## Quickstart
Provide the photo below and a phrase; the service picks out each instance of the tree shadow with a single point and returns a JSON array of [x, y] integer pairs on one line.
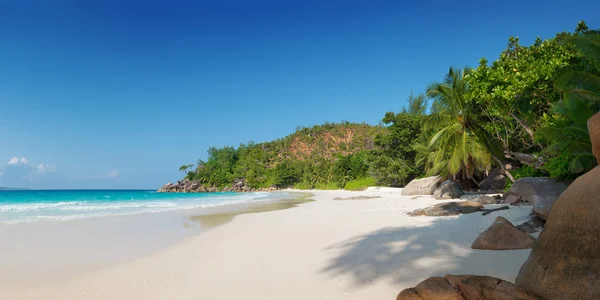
[[407, 255]]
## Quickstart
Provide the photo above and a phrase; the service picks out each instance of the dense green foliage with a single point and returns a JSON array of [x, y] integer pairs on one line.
[[392, 161], [528, 109], [361, 184], [324, 157]]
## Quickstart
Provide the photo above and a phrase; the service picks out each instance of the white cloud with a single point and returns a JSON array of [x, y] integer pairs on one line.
[[16, 160], [45, 168], [113, 174], [18, 169]]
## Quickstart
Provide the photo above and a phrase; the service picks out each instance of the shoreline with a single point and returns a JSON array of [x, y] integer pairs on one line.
[[198, 209], [121, 238], [324, 249]]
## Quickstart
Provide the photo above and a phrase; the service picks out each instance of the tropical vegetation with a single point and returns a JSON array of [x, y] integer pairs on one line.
[[523, 114]]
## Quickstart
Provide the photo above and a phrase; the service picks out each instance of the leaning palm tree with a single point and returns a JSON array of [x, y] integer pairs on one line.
[[184, 168], [459, 145]]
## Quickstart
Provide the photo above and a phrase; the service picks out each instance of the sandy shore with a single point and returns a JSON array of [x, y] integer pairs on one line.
[[326, 249]]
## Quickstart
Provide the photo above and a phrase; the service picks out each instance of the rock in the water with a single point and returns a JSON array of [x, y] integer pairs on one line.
[[448, 190], [464, 287], [487, 200], [496, 181], [502, 235], [448, 209], [565, 261], [541, 192], [423, 186]]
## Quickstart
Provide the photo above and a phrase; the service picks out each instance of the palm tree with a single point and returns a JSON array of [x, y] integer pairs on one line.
[[581, 100], [459, 146], [572, 135], [184, 169], [582, 81]]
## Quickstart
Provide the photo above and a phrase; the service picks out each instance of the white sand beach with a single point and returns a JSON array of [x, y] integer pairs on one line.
[[326, 249]]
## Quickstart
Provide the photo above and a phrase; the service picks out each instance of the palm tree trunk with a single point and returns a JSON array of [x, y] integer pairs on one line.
[[527, 128], [504, 170]]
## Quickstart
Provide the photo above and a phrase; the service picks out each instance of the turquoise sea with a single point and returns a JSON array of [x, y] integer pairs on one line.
[[63, 205]]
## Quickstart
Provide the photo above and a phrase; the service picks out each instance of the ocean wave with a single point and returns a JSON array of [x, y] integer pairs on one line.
[[79, 210], [37, 206]]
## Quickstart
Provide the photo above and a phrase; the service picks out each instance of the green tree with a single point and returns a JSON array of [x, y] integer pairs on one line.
[[517, 88], [417, 105], [570, 148]]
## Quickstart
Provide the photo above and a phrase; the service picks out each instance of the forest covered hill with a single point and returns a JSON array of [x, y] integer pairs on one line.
[[523, 114]]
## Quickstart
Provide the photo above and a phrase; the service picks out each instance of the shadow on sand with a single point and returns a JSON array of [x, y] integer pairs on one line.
[[407, 255]]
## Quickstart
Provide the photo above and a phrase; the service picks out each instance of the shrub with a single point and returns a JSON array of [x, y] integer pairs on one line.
[[303, 186], [327, 186], [558, 167], [360, 184], [522, 172]]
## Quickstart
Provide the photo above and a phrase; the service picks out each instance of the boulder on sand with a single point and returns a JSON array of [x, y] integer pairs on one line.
[[464, 287], [534, 224], [496, 181], [448, 209], [503, 235], [423, 186], [448, 190], [541, 192], [487, 200], [565, 262]]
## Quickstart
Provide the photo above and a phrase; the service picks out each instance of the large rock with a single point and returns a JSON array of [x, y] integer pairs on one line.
[[464, 287], [448, 209], [541, 192], [503, 235], [565, 262], [448, 190], [496, 181], [487, 200], [423, 186]]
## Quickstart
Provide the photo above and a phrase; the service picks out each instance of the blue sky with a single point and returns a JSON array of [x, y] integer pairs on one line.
[[119, 94]]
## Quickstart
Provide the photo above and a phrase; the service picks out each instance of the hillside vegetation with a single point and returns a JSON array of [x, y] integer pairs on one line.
[[324, 156], [523, 114]]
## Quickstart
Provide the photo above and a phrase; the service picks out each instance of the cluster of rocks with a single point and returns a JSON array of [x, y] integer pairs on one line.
[[190, 186], [563, 263]]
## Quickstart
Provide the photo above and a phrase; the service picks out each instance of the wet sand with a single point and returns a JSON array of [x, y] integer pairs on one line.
[[57, 251]]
